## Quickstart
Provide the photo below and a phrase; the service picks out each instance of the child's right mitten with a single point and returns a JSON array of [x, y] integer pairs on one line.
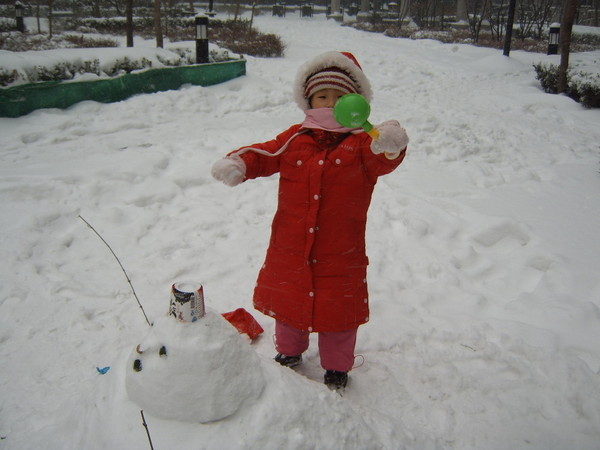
[[230, 170]]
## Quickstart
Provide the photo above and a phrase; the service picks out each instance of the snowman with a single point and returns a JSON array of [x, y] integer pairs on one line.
[[199, 371]]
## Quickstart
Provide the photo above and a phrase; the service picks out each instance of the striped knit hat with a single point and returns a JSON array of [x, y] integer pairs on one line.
[[330, 70]]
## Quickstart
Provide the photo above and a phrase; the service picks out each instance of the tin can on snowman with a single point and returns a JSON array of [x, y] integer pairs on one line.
[[187, 301]]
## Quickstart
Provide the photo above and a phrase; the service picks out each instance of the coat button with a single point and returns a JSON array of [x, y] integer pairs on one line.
[[311, 294], [311, 230], [321, 162], [338, 161], [299, 162], [316, 197]]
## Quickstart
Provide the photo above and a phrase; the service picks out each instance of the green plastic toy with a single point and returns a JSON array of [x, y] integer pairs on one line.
[[352, 111]]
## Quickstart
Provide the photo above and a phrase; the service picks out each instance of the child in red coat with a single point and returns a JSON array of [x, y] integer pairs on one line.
[[314, 278]]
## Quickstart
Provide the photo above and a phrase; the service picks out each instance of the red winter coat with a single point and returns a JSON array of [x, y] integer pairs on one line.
[[314, 275]]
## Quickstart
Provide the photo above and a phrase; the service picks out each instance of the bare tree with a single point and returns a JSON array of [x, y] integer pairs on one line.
[[403, 10], [115, 4], [566, 31], [422, 12], [534, 16], [546, 9], [478, 11], [498, 17]]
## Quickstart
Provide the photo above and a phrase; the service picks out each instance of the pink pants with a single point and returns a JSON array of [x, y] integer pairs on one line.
[[335, 348]]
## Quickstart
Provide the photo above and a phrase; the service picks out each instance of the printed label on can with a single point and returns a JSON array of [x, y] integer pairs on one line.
[[187, 301]]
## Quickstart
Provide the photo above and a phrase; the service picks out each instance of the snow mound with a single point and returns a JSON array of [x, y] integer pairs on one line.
[[193, 372]]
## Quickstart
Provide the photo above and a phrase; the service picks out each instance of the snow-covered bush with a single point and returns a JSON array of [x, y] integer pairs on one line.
[[109, 24], [585, 40], [8, 76], [6, 24], [240, 37], [583, 87], [547, 74], [70, 69], [126, 65], [22, 42]]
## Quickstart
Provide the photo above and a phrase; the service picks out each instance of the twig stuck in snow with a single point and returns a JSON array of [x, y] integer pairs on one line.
[[146, 427], [122, 268]]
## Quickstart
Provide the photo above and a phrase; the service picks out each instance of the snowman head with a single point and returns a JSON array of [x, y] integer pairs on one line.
[[193, 372], [137, 363]]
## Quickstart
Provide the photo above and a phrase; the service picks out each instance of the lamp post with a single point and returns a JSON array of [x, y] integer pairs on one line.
[[201, 39], [553, 38], [19, 17]]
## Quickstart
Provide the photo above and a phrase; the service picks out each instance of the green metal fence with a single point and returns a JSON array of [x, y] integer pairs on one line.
[[20, 100]]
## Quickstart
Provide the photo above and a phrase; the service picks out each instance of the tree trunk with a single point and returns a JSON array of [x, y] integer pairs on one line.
[[335, 6], [50, 5], [96, 9], [364, 6], [461, 11], [509, 26], [566, 29], [252, 16], [37, 16], [157, 24], [237, 10], [129, 26]]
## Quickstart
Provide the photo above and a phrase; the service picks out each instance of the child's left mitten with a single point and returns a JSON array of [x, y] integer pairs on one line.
[[392, 138], [230, 170]]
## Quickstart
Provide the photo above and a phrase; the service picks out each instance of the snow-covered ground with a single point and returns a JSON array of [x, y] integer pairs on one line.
[[484, 254]]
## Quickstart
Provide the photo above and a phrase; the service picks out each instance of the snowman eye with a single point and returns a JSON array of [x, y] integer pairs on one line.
[[137, 365], [163, 351]]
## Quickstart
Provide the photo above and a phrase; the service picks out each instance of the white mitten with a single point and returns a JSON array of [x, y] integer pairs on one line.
[[392, 138], [231, 170]]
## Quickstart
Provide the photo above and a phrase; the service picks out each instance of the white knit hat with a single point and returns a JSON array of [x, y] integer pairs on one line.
[[337, 70]]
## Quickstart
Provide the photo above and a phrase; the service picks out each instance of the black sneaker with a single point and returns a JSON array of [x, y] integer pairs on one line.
[[335, 380], [288, 361]]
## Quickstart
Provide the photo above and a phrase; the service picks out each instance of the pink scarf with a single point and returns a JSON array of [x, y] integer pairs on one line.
[[320, 119], [323, 119]]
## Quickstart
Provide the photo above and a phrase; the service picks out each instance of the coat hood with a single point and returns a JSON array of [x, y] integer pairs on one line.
[[341, 60]]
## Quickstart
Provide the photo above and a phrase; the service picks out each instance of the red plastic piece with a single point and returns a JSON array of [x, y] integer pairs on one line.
[[244, 322]]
